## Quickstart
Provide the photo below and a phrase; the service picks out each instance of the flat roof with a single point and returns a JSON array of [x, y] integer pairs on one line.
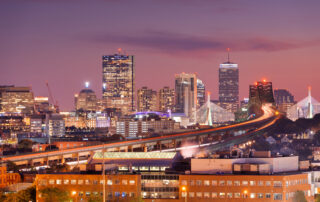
[[134, 155]]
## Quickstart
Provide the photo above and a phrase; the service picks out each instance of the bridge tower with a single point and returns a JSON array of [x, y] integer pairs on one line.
[[310, 108], [208, 118]]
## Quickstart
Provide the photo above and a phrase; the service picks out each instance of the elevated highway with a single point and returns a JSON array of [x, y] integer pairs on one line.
[[249, 128]]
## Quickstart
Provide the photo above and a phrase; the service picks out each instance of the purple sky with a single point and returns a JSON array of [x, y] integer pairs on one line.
[[62, 41]]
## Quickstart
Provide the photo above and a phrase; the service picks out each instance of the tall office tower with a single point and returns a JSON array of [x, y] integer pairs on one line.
[[118, 82], [229, 86], [86, 100], [16, 99], [201, 93], [166, 99], [147, 99], [260, 93], [284, 99], [186, 93]]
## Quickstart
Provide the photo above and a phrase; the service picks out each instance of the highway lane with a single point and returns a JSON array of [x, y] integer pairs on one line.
[[268, 113]]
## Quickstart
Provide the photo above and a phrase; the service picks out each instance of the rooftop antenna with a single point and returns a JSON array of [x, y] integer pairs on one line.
[[228, 50]]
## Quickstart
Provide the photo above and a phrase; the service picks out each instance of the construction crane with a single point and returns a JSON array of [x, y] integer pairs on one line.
[[54, 102]]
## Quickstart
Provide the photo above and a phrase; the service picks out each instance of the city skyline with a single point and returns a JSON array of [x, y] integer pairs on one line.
[[280, 47]]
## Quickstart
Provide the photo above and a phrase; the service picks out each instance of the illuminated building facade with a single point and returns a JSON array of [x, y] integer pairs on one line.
[[283, 99], [165, 187], [118, 82], [41, 105], [166, 99], [55, 125], [229, 86], [86, 100], [147, 99], [16, 99], [201, 93], [7, 179], [186, 93]]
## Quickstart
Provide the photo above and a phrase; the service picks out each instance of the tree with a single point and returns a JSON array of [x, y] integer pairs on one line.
[[26, 195], [53, 194], [11, 166], [95, 199], [299, 197], [25, 145], [318, 199]]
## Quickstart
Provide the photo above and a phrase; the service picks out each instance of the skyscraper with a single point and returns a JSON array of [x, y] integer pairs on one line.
[[229, 86], [118, 82], [201, 93], [147, 99], [16, 99], [166, 99], [284, 99], [86, 100], [260, 93], [186, 93]]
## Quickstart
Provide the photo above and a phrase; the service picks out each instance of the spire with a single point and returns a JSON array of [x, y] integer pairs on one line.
[[228, 50], [208, 118], [310, 107]]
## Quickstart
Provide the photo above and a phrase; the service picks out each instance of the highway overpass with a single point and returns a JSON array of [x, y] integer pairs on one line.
[[251, 128]]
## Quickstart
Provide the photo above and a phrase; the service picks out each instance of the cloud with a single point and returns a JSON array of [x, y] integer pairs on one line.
[[180, 43]]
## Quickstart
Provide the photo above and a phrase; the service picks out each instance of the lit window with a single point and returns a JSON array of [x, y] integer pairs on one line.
[[191, 182], [87, 181], [199, 182], [184, 194], [268, 183], [229, 195], [132, 182], [65, 181], [109, 182], [221, 183], [51, 181], [183, 182], [260, 183], [277, 183], [236, 183], [124, 182], [222, 195], [80, 181], [229, 183], [259, 195], [277, 196], [199, 194], [87, 193], [214, 183], [245, 183], [252, 183], [73, 181], [191, 194], [236, 195], [101, 181], [206, 195], [206, 183], [214, 195], [252, 195]]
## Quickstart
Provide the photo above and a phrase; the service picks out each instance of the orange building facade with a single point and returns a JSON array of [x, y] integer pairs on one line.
[[191, 188], [8, 178]]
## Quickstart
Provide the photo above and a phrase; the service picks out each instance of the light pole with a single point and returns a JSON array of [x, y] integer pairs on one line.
[[245, 192], [74, 193], [184, 190]]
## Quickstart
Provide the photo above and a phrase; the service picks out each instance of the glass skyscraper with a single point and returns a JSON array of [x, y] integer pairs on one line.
[[118, 82], [229, 86]]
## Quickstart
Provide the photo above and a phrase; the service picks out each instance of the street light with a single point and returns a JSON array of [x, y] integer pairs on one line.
[[184, 190], [73, 193], [245, 192]]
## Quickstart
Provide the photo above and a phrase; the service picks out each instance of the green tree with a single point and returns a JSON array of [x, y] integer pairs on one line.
[[54, 194], [299, 197]]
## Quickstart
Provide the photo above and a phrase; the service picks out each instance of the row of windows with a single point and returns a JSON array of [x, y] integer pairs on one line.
[[276, 196], [86, 182], [238, 183]]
